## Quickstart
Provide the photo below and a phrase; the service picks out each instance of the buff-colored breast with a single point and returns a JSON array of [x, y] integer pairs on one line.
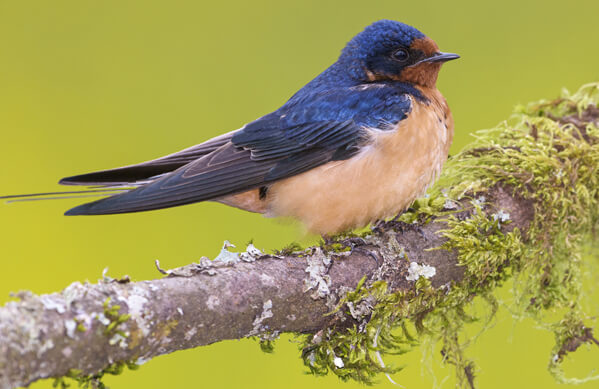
[[382, 180]]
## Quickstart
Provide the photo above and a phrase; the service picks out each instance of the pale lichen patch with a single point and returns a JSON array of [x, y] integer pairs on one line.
[[415, 271], [102, 318], [136, 300], [450, 204], [225, 256], [480, 201], [72, 292], [70, 327], [362, 309], [251, 253], [53, 302], [258, 324], [390, 250], [47, 345], [501, 217], [190, 333], [318, 280], [118, 339], [142, 361]]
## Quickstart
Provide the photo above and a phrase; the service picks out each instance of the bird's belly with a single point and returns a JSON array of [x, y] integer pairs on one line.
[[380, 181], [248, 201]]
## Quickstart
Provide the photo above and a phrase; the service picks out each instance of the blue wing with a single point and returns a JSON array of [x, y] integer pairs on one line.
[[306, 132], [321, 127]]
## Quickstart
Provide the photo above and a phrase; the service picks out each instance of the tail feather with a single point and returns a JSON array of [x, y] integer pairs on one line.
[[120, 176], [62, 195], [149, 170], [120, 181]]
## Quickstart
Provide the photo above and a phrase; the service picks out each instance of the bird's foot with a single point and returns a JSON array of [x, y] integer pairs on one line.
[[371, 254]]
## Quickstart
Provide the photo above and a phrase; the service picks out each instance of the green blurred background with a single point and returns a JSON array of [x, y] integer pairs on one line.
[[87, 85]]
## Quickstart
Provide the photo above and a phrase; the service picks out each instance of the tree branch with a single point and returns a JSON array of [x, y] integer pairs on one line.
[[88, 327], [198, 305]]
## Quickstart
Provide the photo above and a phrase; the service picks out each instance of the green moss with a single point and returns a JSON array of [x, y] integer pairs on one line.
[[116, 319], [267, 345], [291, 248], [93, 380], [111, 312], [542, 155]]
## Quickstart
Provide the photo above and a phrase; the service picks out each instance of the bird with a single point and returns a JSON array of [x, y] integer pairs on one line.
[[358, 143]]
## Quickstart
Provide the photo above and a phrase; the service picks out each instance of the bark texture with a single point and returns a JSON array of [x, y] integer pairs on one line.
[[79, 328]]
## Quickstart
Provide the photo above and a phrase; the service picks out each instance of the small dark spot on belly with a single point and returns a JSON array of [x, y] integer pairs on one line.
[[262, 192]]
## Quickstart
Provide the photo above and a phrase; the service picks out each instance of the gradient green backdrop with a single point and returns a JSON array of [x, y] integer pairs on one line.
[[87, 85]]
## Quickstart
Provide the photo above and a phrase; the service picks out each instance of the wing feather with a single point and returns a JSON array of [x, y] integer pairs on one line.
[[146, 170]]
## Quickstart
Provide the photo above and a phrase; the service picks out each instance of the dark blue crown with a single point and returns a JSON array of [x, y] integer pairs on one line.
[[376, 39], [379, 37]]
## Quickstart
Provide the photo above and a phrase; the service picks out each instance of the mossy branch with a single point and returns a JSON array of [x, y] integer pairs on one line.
[[518, 204]]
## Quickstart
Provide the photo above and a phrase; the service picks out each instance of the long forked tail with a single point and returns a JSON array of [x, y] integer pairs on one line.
[[118, 181]]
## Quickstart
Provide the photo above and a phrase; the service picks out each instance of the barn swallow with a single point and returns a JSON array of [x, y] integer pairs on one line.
[[356, 144]]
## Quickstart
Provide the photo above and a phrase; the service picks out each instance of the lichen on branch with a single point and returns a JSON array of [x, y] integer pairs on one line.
[[547, 157]]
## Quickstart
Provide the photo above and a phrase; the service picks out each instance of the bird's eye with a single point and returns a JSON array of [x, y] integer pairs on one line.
[[401, 55]]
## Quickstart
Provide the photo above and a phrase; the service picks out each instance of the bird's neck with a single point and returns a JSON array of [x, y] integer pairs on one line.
[[335, 76], [339, 75]]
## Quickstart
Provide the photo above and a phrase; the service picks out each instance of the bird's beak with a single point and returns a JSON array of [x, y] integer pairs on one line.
[[438, 57]]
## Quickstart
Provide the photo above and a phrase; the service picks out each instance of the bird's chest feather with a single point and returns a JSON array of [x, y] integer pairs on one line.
[[383, 179]]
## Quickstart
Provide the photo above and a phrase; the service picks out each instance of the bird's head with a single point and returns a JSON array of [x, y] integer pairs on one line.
[[391, 51]]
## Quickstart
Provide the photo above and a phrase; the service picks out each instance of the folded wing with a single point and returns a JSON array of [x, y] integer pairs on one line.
[[296, 138], [231, 168]]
